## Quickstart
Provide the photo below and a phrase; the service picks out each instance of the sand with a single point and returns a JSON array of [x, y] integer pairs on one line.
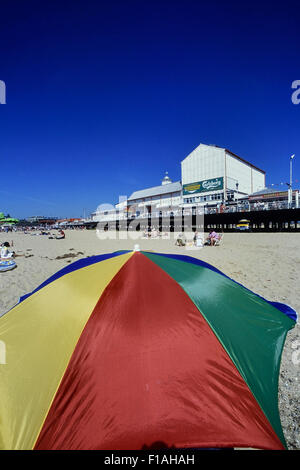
[[268, 264]]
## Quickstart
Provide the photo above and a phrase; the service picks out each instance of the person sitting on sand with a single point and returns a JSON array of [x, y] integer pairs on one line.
[[61, 236], [213, 238], [198, 240], [181, 240], [5, 253], [208, 239], [218, 237]]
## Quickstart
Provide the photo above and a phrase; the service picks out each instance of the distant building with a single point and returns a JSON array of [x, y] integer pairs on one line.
[[213, 174], [108, 212], [149, 201], [41, 220], [156, 199], [278, 198], [210, 175]]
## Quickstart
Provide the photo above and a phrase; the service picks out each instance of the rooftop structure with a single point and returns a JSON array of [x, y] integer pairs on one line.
[[164, 188]]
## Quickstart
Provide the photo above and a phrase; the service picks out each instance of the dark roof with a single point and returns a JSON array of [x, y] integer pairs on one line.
[[245, 161]]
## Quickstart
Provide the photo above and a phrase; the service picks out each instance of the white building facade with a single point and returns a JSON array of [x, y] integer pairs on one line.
[[155, 200], [108, 212], [212, 174]]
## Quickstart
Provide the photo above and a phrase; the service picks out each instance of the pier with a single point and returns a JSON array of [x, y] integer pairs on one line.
[[284, 220]]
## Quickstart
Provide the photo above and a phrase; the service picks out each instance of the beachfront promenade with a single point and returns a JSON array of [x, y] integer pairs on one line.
[[266, 219], [262, 217]]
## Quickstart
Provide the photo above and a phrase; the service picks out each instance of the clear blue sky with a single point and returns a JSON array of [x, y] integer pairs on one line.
[[104, 97]]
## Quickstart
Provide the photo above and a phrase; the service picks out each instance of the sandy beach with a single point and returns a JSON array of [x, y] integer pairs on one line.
[[268, 264]]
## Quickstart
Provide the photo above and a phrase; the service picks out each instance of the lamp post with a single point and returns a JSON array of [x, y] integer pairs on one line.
[[237, 190], [291, 181]]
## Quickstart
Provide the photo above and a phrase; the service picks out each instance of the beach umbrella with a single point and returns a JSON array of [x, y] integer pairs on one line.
[[9, 220], [124, 350]]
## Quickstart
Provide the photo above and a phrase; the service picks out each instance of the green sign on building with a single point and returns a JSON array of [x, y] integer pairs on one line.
[[214, 184]]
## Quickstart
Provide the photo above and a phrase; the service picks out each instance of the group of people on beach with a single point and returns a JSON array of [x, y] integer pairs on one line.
[[213, 238], [152, 232], [61, 235], [6, 253]]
